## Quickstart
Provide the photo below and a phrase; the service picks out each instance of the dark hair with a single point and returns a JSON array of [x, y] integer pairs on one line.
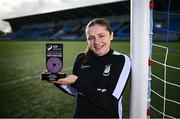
[[97, 21], [100, 21]]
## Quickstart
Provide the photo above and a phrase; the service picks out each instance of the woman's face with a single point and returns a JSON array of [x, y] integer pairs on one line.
[[99, 39]]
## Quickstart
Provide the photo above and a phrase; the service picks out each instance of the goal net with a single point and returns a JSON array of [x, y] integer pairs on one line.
[[165, 71], [155, 56]]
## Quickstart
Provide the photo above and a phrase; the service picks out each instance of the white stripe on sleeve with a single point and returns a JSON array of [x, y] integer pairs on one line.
[[122, 78]]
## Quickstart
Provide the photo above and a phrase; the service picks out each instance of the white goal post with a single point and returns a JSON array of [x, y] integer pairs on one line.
[[139, 52]]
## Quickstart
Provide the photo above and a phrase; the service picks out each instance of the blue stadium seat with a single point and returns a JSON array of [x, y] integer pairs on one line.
[[123, 32]]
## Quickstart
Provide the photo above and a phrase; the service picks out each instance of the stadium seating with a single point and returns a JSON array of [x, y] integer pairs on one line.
[[73, 30], [123, 32]]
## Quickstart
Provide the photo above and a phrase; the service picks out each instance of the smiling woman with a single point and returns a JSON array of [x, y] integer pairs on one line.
[[99, 75], [99, 35]]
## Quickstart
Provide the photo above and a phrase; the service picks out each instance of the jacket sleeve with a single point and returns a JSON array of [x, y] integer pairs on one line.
[[67, 89], [104, 100]]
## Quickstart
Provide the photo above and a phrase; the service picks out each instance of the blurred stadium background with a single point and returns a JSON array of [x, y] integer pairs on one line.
[[22, 56]]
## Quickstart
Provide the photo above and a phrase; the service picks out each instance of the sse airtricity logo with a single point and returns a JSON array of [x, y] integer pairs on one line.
[[49, 47]]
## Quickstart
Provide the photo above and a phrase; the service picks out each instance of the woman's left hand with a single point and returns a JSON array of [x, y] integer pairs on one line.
[[66, 81]]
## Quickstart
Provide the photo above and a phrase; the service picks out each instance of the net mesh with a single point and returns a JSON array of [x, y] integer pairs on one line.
[[164, 97]]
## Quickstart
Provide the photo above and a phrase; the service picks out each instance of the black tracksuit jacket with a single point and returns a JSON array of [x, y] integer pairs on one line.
[[100, 84]]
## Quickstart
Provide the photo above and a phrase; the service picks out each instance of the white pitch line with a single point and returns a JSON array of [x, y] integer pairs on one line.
[[27, 78], [19, 80]]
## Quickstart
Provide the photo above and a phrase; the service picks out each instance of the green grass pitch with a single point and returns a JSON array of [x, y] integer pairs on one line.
[[22, 94]]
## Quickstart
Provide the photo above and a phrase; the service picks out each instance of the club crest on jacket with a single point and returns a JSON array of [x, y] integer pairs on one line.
[[107, 70]]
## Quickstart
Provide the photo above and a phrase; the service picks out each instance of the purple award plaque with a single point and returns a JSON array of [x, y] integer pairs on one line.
[[54, 62]]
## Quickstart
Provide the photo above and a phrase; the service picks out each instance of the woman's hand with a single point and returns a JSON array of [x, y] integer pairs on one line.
[[44, 72], [66, 81]]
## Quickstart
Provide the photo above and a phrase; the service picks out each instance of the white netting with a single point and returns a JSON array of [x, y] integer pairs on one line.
[[164, 79], [165, 71]]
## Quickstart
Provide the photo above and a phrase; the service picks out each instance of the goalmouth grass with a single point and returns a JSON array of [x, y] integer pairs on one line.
[[22, 94]]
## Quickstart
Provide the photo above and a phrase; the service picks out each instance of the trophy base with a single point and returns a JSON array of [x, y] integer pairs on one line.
[[52, 77]]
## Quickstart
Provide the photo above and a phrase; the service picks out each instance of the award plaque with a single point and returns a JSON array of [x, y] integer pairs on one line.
[[54, 62]]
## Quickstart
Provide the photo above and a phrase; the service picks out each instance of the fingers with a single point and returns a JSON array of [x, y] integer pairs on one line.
[[45, 71], [59, 81], [54, 82], [62, 81]]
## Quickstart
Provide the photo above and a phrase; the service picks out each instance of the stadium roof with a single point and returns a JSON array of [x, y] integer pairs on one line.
[[100, 10], [108, 9]]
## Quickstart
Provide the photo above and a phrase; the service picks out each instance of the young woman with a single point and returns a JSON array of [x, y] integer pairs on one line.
[[99, 75]]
